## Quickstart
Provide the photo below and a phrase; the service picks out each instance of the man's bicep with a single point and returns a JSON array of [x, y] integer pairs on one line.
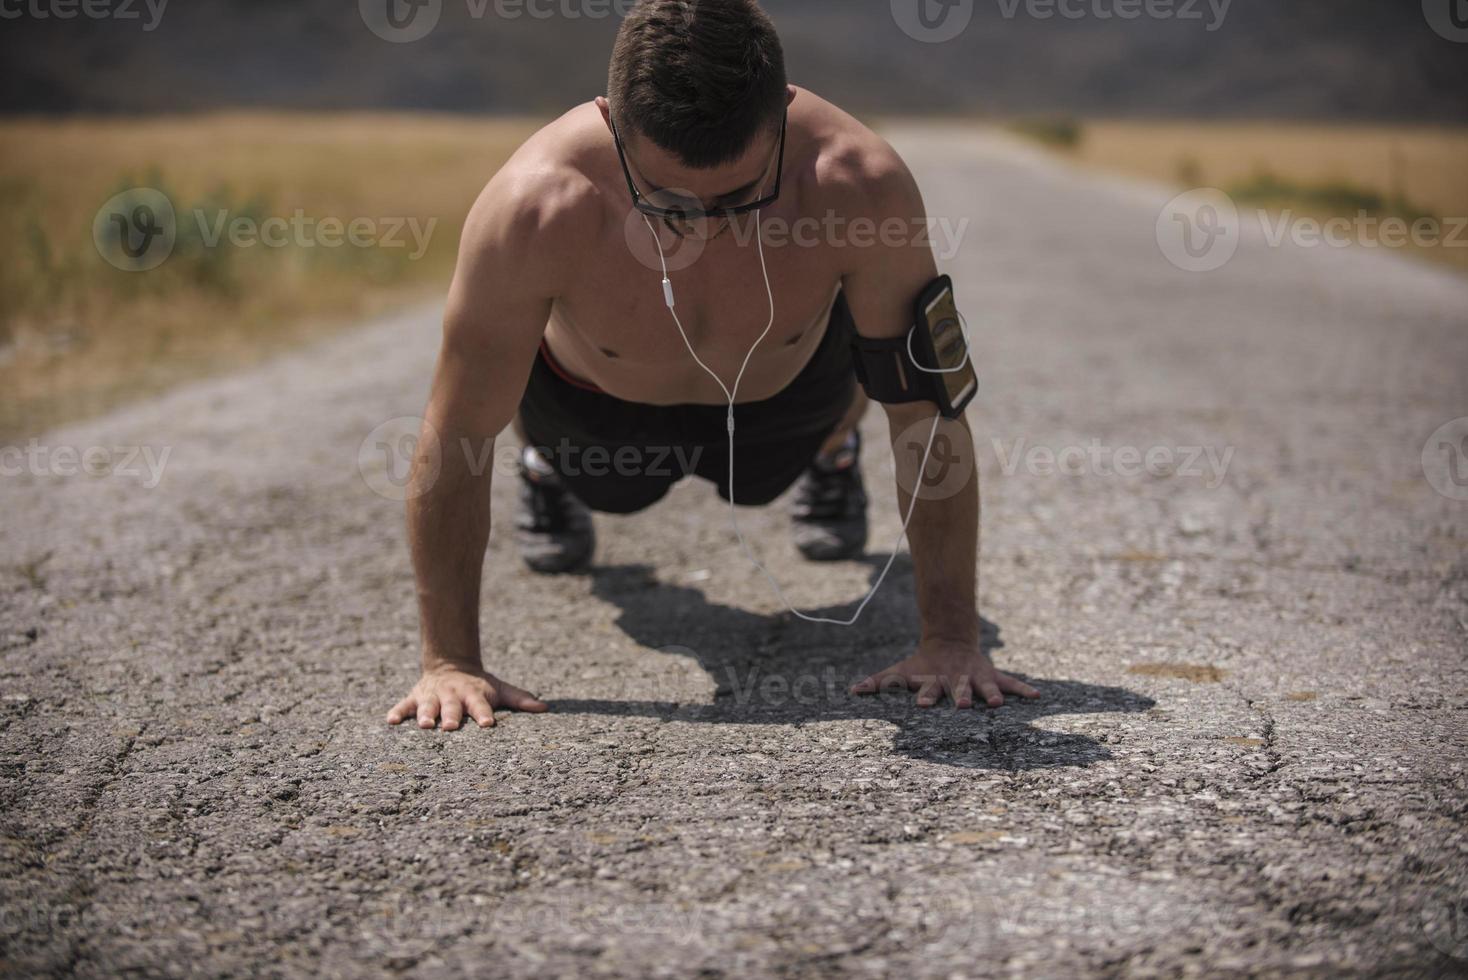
[[492, 327], [514, 248], [884, 278], [483, 365]]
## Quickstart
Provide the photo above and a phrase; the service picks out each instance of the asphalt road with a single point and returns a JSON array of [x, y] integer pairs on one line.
[[1250, 756]]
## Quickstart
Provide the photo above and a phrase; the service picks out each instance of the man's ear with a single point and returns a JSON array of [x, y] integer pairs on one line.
[[606, 110]]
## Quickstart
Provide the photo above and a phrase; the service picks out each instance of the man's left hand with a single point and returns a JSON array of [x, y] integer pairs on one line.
[[944, 666]]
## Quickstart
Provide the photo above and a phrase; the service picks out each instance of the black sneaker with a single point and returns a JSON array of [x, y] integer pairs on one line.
[[830, 509], [554, 530]]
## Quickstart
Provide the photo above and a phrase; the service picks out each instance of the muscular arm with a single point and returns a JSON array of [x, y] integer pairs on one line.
[[497, 310], [881, 285]]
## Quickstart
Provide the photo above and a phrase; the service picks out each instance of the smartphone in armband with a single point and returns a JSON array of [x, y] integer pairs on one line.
[[937, 343]]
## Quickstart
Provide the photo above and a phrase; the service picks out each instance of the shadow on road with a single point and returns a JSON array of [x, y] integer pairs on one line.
[[781, 670]]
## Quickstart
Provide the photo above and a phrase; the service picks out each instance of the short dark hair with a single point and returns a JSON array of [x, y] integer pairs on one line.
[[700, 78]]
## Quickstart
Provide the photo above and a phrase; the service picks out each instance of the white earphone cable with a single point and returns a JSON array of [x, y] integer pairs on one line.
[[731, 395]]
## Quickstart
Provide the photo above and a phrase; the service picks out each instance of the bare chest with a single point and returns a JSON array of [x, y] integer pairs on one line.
[[614, 329]]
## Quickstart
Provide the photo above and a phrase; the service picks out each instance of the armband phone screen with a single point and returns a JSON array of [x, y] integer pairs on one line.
[[948, 343]]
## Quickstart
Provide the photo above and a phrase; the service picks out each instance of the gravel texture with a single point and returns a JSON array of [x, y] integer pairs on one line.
[[1250, 756]]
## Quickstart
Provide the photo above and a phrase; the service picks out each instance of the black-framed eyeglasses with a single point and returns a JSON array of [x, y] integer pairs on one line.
[[692, 214]]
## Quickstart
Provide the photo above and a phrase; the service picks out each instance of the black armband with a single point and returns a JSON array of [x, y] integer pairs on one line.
[[930, 363]]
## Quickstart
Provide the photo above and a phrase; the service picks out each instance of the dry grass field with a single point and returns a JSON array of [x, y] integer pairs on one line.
[[1426, 165], [1317, 170], [78, 336]]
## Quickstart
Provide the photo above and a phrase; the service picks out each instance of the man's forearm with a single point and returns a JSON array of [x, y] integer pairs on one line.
[[944, 532], [448, 530]]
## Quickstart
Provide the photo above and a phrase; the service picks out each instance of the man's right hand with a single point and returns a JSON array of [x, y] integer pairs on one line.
[[447, 692]]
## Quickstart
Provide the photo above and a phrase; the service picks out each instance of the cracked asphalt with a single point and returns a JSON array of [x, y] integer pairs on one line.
[[1250, 756]]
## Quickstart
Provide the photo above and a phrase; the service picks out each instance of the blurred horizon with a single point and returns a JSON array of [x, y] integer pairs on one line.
[[1354, 60]]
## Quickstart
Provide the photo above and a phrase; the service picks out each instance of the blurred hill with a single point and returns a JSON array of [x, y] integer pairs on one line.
[[1319, 59]]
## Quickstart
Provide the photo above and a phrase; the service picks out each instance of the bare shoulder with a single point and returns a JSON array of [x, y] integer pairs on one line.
[[855, 171], [857, 175], [539, 209]]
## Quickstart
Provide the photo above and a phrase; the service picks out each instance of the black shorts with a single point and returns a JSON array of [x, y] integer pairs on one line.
[[620, 457]]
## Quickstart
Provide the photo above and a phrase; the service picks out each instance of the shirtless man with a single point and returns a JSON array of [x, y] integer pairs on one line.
[[557, 322]]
